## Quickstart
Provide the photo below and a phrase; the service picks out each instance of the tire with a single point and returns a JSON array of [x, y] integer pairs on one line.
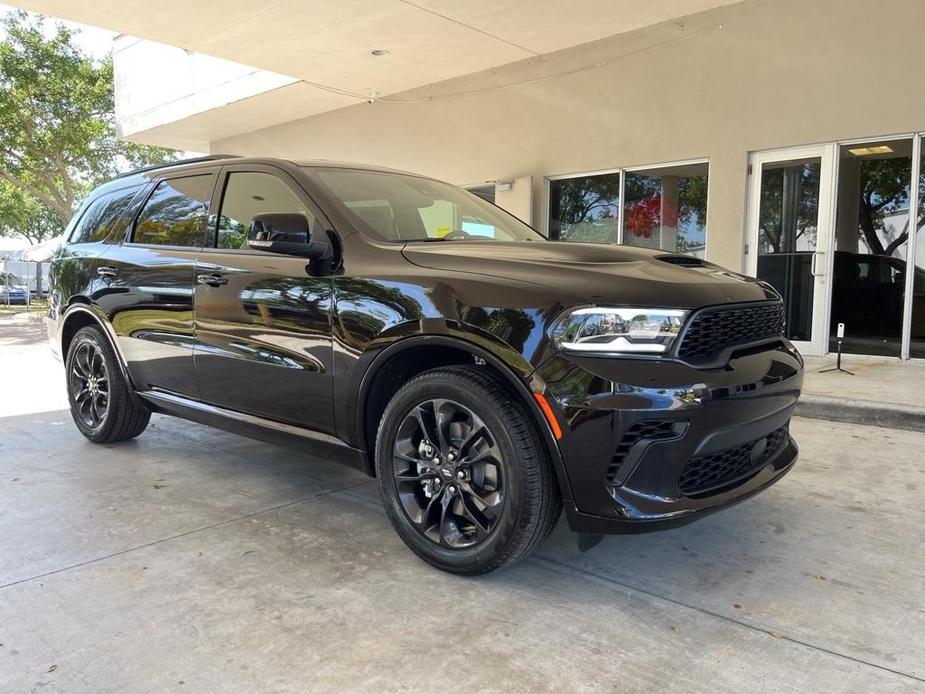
[[103, 405], [514, 466]]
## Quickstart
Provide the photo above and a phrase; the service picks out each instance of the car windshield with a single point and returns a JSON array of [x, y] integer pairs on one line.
[[400, 208], [9, 278]]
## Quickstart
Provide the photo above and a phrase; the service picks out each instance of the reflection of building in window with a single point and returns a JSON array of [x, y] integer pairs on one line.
[[664, 207]]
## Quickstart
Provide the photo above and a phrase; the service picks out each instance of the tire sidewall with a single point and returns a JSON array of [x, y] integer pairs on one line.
[[484, 404]]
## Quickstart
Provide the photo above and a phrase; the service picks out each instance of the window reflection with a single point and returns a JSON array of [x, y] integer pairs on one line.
[[585, 208], [666, 208], [175, 214], [788, 219], [872, 231]]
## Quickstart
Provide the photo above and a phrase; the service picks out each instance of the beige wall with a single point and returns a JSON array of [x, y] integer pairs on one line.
[[762, 74]]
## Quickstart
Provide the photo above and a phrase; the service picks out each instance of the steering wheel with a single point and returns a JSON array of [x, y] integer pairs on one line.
[[458, 235]]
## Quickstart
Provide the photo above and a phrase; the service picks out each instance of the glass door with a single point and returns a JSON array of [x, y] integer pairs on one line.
[[789, 235]]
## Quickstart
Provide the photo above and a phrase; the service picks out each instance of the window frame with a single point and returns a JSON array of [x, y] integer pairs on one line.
[[622, 171], [218, 194], [148, 191]]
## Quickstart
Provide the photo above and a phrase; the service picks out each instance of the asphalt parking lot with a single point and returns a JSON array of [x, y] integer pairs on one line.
[[194, 560]]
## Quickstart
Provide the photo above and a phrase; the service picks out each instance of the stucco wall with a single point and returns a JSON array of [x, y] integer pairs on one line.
[[763, 74]]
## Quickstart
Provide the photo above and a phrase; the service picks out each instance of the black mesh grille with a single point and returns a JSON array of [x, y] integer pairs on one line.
[[710, 472], [713, 330], [651, 430]]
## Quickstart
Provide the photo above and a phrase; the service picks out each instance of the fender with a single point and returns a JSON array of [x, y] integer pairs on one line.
[[517, 376]]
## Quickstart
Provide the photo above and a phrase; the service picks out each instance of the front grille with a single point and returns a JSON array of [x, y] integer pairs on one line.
[[642, 432], [711, 472], [713, 330]]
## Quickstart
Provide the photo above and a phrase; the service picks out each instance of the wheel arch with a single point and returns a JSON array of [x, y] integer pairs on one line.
[[80, 314], [410, 356]]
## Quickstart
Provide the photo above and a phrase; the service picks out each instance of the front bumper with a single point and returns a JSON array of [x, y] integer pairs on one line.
[[649, 444]]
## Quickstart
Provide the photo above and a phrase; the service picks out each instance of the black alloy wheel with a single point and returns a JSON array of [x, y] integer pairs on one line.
[[448, 472], [89, 383]]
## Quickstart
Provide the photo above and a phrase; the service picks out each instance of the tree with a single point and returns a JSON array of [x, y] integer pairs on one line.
[[884, 191], [23, 215], [57, 127]]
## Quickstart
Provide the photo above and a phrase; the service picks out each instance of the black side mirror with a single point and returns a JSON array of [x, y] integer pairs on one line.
[[285, 233]]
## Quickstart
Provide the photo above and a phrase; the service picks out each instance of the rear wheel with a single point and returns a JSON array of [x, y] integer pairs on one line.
[[464, 475], [103, 405]]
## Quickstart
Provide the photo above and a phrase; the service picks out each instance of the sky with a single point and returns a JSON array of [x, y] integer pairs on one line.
[[95, 41]]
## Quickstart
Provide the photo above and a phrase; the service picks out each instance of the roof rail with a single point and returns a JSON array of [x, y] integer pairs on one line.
[[178, 162]]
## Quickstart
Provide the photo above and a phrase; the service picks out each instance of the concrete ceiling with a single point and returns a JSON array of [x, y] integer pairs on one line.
[[327, 42]]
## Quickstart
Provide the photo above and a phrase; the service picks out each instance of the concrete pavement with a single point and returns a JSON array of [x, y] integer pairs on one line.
[[195, 560]]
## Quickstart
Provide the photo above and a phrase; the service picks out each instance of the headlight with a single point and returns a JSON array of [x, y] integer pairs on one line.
[[626, 330]]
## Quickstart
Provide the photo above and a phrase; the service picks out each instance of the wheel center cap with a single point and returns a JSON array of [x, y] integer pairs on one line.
[[447, 472]]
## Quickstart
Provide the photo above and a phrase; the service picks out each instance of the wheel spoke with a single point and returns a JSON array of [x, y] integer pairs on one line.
[[409, 476], [470, 513], [487, 505], [442, 424], [81, 361], [427, 423]]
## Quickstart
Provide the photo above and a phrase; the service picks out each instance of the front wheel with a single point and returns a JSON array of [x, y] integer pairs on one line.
[[463, 473]]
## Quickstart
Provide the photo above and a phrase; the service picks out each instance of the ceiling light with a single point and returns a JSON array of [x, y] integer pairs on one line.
[[379, 52], [867, 151]]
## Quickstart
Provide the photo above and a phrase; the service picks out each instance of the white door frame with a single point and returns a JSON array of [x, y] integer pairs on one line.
[[822, 262]]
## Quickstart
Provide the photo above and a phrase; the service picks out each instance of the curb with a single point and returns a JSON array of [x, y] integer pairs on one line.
[[879, 414]]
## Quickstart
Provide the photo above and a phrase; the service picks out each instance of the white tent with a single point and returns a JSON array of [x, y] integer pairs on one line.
[[42, 252]]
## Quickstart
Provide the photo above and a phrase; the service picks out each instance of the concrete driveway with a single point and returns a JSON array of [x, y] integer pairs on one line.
[[194, 560]]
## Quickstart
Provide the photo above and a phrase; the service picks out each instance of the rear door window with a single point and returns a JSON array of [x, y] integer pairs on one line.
[[176, 213]]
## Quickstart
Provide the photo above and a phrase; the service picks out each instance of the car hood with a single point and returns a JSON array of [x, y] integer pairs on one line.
[[594, 273]]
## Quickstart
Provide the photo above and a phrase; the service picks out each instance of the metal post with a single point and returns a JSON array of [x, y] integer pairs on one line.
[[914, 203]]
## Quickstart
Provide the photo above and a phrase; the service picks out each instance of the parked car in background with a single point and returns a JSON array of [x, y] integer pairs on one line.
[[12, 289], [487, 377]]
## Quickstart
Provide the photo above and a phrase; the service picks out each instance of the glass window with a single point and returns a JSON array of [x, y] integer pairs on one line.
[[917, 344], [666, 208], [871, 234], [585, 208], [248, 194], [103, 216], [401, 207], [175, 214], [788, 220]]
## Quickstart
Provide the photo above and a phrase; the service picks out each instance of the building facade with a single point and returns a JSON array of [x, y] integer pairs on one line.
[[780, 138]]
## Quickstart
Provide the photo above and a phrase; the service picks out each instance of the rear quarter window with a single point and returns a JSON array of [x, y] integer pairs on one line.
[[104, 216]]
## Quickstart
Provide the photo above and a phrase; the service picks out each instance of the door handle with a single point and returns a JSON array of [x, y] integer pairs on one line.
[[812, 265], [213, 280], [107, 271]]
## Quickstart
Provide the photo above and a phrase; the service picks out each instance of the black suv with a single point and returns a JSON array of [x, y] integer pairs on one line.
[[486, 376]]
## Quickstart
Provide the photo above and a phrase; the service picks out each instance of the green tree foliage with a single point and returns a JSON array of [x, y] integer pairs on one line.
[[57, 128], [23, 215]]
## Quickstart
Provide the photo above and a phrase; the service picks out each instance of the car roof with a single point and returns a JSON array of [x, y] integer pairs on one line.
[[144, 175]]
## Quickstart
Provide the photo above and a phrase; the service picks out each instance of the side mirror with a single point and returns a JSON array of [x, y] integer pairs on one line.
[[285, 233]]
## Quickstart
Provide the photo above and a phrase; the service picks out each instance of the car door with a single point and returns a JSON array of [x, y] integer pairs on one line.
[[263, 332], [149, 282]]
